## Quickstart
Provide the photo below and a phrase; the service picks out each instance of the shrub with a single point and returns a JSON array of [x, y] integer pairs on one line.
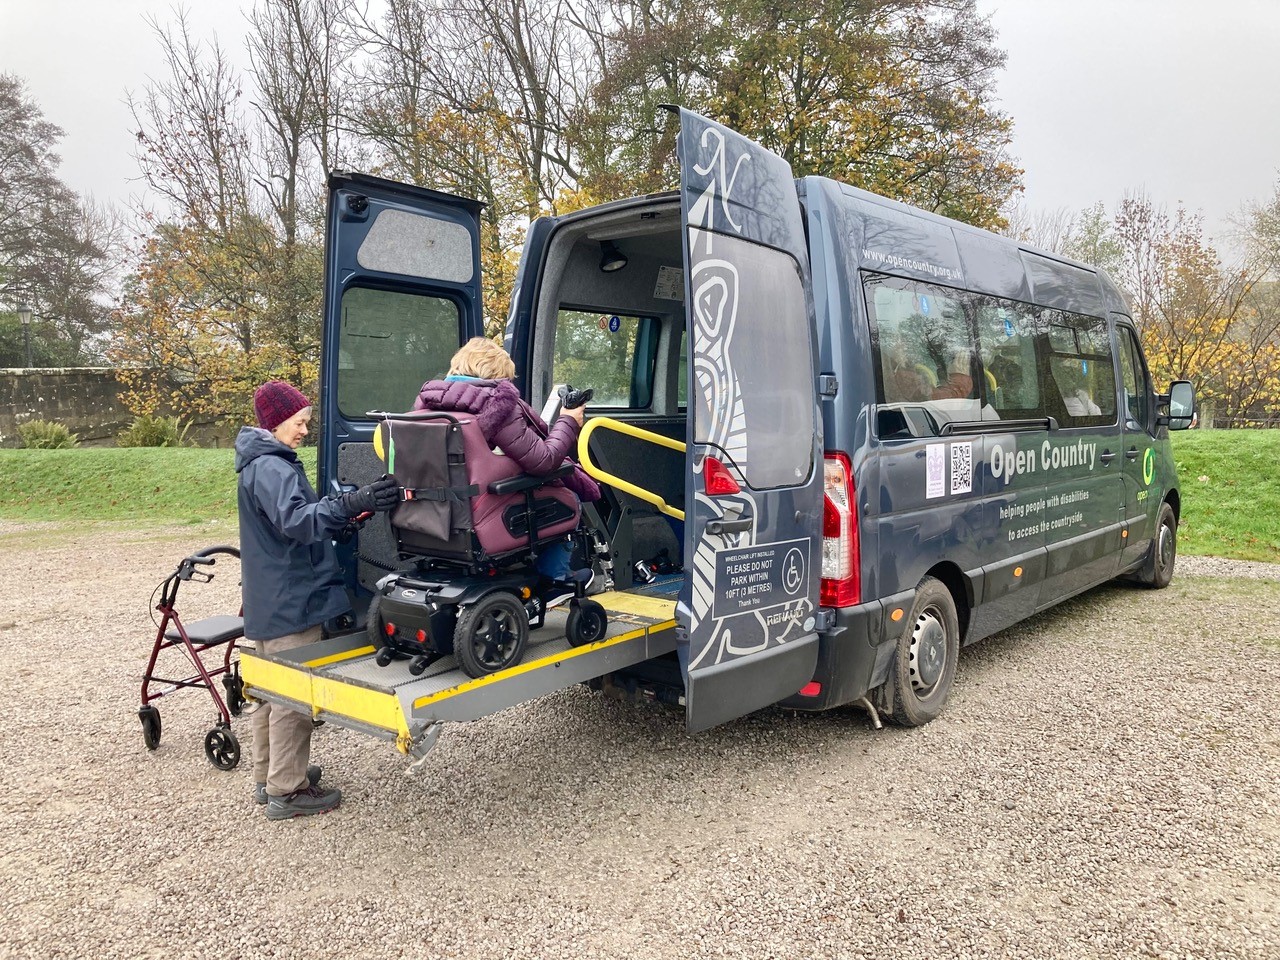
[[149, 431], [46, 435]]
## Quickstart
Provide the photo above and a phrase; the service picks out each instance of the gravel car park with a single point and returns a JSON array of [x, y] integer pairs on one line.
[[1104, 782]]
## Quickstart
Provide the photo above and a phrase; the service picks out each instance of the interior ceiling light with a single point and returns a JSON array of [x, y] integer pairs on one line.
[[611, 258]]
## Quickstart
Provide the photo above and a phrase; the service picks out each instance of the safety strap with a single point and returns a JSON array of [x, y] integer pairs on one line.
[[457, 494]]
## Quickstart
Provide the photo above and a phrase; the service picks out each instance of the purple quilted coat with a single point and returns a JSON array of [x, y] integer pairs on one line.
[[511, 425]]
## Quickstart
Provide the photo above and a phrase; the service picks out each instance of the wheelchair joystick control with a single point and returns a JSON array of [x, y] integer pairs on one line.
[[571, 397]]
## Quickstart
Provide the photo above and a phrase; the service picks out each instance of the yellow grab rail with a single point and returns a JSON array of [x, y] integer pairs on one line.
[[608, 423]]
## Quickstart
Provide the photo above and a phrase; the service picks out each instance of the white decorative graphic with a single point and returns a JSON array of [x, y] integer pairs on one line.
[[715, 292]]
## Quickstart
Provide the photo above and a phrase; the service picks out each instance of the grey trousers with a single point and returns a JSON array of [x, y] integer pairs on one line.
[[282, 738]]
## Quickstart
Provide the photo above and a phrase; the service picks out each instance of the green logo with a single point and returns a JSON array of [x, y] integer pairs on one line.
[[1148, 466]]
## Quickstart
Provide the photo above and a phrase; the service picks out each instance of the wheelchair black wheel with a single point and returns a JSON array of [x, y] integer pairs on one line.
[[222, 748], [587, 623], [491, 634], [151, 726]]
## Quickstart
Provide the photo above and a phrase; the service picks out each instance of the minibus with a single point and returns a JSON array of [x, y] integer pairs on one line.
[[895, 434]]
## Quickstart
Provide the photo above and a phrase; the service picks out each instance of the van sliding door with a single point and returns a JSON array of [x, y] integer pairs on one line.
[[754, 469]]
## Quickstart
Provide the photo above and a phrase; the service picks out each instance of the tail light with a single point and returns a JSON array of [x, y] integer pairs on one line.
[[841, 579], [717, 479]]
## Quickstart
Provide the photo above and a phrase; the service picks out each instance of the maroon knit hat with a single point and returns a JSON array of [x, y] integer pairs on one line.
[[275, 402]]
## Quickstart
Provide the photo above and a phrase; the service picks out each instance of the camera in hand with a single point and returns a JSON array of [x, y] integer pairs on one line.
[[571, 397]]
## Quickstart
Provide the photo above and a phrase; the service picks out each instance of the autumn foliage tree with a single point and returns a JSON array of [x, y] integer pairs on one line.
[[529, 106]]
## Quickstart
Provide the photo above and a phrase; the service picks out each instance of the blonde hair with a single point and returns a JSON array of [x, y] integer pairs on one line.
[[481, 357]]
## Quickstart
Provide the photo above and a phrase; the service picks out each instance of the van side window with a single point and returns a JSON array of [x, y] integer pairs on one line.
[[1007, 337], [599, 350], [1133, 376], [389, 344], [927, 362], [1081, 370]]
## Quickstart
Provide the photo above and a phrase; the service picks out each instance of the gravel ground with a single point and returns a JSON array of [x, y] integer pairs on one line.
[[1104, 783]]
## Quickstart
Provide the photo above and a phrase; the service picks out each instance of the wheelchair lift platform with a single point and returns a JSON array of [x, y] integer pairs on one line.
[[338, 681]]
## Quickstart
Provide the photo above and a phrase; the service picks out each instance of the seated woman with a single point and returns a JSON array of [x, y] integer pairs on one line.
[[479, 383]]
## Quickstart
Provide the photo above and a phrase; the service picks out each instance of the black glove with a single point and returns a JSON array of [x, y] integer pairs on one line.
[[382, 494], [571, 397]]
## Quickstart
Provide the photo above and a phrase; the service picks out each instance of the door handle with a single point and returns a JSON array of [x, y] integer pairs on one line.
[[717, 527], [1131, 453], [1106, 457]]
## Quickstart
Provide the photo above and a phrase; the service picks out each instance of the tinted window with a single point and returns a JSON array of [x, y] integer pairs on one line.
[[388, 345], [598, 350], [1133, 376], [1007, 340], [927, 361], [951, 356], [1081, 382], [752, 362]]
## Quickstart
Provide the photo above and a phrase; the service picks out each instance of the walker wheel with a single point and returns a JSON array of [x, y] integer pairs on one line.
[[222, 748], [587, 623], [235, 693], [150, 718]]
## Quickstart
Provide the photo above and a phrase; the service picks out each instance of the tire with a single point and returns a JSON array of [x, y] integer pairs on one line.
[[373, 623], [924, 665], [151, 726], [1157, 572], [491, 634], [587, 623], [235, 693], [222, 748]]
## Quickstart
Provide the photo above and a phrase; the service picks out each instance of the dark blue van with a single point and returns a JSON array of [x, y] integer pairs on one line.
[[900, 433]]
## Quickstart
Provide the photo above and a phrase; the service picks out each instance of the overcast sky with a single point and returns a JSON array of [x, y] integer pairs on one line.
[[1177, 97]]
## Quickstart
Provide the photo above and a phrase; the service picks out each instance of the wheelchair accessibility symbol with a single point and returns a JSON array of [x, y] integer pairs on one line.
[[793, 571]]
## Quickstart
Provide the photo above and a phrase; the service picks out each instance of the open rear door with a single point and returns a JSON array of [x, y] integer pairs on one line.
[[754, 488], [401, 294]]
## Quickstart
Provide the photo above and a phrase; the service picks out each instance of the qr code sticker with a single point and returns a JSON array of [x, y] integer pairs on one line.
[[961, 467]]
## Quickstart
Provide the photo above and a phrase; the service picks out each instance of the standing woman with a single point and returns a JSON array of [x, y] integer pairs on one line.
[[292, 582]]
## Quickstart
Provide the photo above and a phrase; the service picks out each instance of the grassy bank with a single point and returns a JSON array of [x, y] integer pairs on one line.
[[1230, 493], [1230, 483], [146, 485]]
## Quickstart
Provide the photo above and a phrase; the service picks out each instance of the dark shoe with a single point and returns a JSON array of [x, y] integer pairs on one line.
[[302, 803], [260, 789]]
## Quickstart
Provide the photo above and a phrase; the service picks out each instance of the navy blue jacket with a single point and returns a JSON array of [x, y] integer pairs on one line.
[[291, 578]]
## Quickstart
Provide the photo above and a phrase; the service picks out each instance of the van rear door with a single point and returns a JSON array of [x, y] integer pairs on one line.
[[754, 484], [401, 294]]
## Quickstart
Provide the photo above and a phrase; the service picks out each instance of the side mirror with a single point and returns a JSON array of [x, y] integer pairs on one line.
[[1182, 404]]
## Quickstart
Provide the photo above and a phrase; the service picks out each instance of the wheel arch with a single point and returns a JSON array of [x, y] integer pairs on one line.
[[961, 589], [1174, 499]]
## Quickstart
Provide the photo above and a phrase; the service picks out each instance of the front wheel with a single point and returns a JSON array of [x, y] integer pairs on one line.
[[924, 665], [587, 623], [222, 748], [1157, 572], [491, 634]]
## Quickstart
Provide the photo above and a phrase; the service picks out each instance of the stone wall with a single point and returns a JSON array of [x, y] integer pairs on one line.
[[84, 399]]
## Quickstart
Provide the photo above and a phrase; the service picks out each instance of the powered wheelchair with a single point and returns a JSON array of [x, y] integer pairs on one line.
[[468, 528]]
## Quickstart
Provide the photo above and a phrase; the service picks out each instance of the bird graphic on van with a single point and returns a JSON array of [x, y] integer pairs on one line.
[[1009, 462]]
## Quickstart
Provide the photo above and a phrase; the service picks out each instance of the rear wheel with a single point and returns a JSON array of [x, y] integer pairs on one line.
[[151, 726], [924, 666], [1157, 572], [491, 634]]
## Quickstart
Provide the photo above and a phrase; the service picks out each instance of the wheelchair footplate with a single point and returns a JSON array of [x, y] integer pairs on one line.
[[338, 679]]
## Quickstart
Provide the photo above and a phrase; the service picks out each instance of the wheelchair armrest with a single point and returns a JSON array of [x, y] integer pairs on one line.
[[525, 482]]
